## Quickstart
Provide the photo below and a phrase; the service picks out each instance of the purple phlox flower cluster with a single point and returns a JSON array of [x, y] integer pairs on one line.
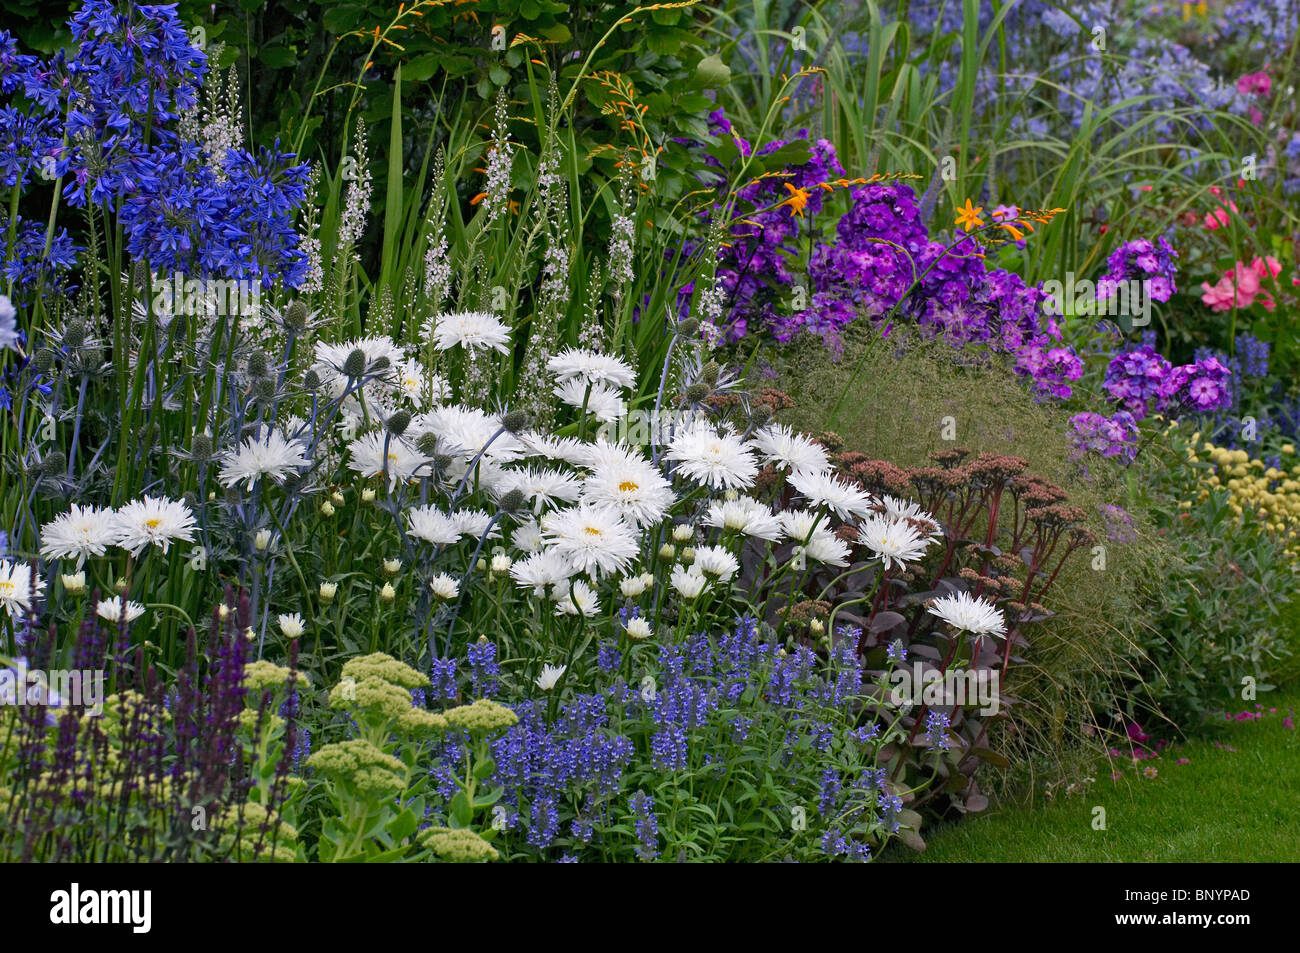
[[1142, 259], [1114, 436], [1203, 386], [1139, 378]]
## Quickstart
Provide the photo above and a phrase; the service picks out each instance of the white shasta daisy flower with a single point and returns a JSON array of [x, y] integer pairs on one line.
[[331, 358], [578, 599], [688, 581], [813, 538], [591, 367], [465, 431], [153, 521], [421, 387], [291, 626], [432, 525], [973, 614], [272, 455], [540, 570], [543, 486], [16, 589], [111, 610], [786, 449], [527, 537], [550, 676], [604, 403], [722, 461], [744, 515], [568, 450], [471, 330], [381, 453], [895, 541], [82, 531], [474, 523], [594, 539], [716, 563], [639, 629], [633, 486], [908, 510], [444, 586], [826, 489]]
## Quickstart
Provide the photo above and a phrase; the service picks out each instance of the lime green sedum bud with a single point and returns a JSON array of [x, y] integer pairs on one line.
[[482, 718], [460, 846], [362, 766], [386, 668]]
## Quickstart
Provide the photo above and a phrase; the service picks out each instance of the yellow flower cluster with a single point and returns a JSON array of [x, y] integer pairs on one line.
[[1256, 491]]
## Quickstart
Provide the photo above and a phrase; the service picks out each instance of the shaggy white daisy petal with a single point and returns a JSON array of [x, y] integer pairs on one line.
[[470, 330], [716, 563], [381, 453], [688, 582], [330, 358], [540, 570], [639, 629], [594, 539], [895, 541], [827, 548], [82, 531], [568, 450], [973, 614], [421, 387], [468, 431], [291, 626], [602, 402], [527, 537], [153, 521], [579, 600], [432, 525], [17, 589], [111, 610], [550, 676], [825, 489], [785, 449], [633, 486], [273, 455], [719, 460], [744, 515], [444, 586], [908, 510], [542, 486], [474, 523], [813, 538], [591, 367]]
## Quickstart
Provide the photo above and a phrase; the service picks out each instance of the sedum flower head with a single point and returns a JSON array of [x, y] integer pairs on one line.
[[386, 668], [261, 676], [458, 846], [362, 766], [482, 718]]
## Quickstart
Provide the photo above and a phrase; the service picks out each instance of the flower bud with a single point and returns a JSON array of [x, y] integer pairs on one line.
[[262, 540], [667, 551], [258, 365], [398, 423], [392, 566], [388, 593], [327, 509], [368, 495], [295, 317], [74, 335], [74, 583], [515, 421], [201, 447], [327, 591], [355, 363], [310, 380]]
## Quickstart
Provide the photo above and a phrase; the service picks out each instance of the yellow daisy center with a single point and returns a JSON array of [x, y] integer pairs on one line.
[[153, 522], [627, 486]]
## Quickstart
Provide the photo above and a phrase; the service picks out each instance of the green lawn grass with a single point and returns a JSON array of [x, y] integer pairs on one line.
[[1223, 805]]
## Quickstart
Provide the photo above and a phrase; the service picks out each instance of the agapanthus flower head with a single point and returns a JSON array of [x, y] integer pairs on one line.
[[153, 521], [82, 531]]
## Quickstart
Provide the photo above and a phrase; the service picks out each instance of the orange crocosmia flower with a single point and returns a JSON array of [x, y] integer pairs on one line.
[[1015, 232], [968, 217], [478, 198], [797, 200]]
